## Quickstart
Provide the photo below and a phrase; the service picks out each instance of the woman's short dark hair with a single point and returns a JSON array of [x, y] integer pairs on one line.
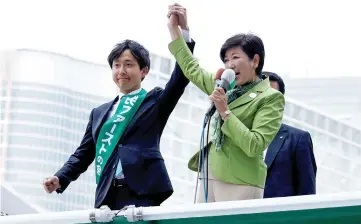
[[250, 44], [138, 51]]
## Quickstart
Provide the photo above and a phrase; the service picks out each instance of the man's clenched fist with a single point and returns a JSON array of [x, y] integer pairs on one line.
[[51, 184]]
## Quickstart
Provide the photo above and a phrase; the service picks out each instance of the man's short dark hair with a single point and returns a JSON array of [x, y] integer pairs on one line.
[[138, 51], [276, 78], [250, 44]]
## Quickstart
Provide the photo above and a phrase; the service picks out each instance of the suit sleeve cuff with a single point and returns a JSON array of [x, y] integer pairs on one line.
[[64, 183], [186, 36]]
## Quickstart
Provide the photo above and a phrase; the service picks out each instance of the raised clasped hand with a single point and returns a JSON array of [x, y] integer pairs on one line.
[[176, 10]]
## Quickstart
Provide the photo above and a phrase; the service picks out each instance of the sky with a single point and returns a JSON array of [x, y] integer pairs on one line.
[[308, 38]]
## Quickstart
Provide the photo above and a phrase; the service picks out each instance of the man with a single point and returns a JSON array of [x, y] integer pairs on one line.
[[291, 165], [123, 135]]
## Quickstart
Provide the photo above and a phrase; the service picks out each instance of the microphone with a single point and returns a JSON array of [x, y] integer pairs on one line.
[[224, 79]]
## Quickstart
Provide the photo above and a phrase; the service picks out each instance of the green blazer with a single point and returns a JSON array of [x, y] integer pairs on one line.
[[254, 122]]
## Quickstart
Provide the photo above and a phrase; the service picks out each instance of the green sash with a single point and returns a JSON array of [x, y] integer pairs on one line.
[[113, 129]]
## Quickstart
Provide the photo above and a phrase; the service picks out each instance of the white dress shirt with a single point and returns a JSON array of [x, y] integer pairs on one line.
[[115, 106], [265, 153]]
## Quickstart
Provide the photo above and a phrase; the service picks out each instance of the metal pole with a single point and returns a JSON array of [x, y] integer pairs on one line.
[[104, 214]]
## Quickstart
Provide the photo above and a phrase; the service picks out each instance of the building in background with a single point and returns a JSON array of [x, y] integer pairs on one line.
[[45, 101], [337, 147], [339, 97], [45, 104]]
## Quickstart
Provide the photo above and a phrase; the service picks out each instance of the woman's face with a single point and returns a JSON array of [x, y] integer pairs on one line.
[[241, 64]]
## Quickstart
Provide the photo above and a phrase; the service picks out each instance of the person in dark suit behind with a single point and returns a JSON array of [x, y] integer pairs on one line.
[[123, 135], [291, 164]]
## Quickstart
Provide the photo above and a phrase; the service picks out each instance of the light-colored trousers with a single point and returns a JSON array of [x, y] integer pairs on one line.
[[222, 191]]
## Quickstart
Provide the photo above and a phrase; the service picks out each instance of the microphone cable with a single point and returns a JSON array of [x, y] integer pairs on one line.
[[203, 158]]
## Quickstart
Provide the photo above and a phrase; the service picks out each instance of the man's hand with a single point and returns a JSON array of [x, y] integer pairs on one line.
[[181, 12], [219, 99], [51, 184]]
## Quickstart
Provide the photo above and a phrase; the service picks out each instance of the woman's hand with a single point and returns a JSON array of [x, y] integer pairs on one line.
[[219, 99], [173, 20], [173, 23], [180, 12]]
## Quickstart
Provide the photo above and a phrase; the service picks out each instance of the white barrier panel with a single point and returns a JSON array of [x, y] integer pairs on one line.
[[330, 209], [253, 206]]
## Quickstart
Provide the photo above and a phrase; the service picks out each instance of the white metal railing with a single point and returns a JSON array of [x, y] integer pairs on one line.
[[132, 214]]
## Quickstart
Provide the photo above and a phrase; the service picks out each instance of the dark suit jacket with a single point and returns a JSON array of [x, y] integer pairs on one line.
[[138, 148], [291, 165]]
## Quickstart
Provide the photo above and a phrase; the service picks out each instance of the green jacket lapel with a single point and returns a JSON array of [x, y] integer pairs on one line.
[[251, 94]]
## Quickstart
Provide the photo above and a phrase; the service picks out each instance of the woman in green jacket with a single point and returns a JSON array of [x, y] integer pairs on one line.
[[247, 119]]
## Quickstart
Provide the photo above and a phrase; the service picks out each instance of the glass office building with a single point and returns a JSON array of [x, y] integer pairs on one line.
[[339, 97], [337, 147], [45, 103]]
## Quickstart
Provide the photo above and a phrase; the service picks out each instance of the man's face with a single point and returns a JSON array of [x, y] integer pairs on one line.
[[127, 74], [275, 85]]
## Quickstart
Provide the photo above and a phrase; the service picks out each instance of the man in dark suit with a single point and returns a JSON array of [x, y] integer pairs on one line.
[[291, 165], [123, 135]]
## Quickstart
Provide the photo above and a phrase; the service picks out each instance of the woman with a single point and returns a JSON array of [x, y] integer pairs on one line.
[[247, 118]]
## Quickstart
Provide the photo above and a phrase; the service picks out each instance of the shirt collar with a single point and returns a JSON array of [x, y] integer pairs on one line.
[[133, 92]]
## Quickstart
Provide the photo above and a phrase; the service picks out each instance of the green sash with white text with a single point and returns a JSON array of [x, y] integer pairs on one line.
[[113, 129]]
